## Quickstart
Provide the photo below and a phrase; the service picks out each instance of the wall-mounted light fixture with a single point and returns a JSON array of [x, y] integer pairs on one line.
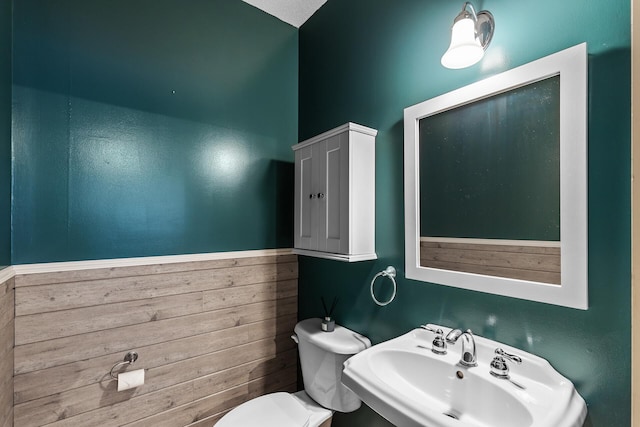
[[470, 35]]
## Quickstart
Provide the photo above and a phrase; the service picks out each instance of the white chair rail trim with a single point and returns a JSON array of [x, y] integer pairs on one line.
[[52, 267]]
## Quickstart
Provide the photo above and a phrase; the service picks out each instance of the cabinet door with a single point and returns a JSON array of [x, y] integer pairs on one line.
[[305, 205], [334, 195]]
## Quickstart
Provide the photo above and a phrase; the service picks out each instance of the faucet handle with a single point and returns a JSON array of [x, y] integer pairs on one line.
[[512, 357], [498, 365], [431, 329], [438, 346]]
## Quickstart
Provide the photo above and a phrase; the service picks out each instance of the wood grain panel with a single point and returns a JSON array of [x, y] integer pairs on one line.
[[6, 401], [6, 386], [6, 351], [59, 324], [524, 262], [46, 354], [64, 296], [7, 303], [6, 339], [212, 420], [209, 334], [9, 420], [84, 399], [55, 380], [215, 300], [534, 276], [283, 359], [154, 406]]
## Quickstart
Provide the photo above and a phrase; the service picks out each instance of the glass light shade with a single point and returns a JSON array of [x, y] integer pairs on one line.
[[465, 48]]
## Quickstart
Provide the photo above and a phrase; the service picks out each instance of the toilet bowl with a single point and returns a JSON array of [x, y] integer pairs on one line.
[[322, 355]]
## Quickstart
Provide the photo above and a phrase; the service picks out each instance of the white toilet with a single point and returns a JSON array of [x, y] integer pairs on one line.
[[321, 357]]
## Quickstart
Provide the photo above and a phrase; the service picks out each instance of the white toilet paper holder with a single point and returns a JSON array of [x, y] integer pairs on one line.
[[129, 358]]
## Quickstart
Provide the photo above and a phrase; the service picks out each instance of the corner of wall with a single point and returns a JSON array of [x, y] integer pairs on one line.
[[7, 344]]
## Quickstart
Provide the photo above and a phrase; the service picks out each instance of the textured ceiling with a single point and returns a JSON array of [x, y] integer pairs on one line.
[[294, 12]]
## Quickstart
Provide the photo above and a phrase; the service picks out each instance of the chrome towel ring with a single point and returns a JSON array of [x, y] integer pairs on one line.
[[389, 272]]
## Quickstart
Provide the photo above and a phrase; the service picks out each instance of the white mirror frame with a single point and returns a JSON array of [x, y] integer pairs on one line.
[[571, 65]]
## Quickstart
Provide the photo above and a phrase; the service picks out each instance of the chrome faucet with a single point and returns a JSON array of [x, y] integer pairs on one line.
[[468, 357]]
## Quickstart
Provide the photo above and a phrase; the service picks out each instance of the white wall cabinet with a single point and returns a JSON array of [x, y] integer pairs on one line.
[[335, 194]]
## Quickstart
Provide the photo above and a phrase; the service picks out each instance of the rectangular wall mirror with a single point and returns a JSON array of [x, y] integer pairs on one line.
[[496, 183]]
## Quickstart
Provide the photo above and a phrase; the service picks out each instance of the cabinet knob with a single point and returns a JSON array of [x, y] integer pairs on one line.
[[311, 196], [320, 195]]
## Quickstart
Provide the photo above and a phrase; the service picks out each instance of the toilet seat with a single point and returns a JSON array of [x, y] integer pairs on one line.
[[271, 410], [276, 410]]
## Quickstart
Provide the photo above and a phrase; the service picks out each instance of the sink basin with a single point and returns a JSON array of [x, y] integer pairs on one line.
[[470, 399], [409, 385]]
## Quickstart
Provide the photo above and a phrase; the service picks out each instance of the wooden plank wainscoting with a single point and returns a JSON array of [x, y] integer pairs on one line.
[[524, 260], [210, 334], [6, 349]]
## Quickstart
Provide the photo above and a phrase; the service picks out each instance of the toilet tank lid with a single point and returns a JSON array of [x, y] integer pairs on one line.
[[341, 341]]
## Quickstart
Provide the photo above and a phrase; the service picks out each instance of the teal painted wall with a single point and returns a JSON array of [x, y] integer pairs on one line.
[[365, 61], [151, 128], [5, 133]]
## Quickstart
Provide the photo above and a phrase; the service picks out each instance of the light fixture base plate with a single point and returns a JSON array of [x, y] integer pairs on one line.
[[484, 27]]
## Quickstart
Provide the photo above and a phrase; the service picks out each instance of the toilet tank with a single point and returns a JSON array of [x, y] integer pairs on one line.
[[322, 355]]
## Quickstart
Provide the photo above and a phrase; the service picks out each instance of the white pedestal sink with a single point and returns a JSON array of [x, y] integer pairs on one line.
[[408, 384]]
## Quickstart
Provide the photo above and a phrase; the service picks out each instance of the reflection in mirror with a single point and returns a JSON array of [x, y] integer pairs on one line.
[[490, 189], [495, 184]]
